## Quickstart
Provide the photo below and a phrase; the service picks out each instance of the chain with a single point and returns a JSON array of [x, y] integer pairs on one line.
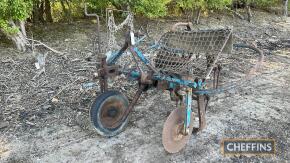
[[113, 28]]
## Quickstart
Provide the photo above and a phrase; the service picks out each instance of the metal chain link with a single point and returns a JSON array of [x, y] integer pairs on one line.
[[113, 28]]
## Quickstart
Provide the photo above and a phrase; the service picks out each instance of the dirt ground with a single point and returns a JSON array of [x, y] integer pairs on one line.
[[44, 118]]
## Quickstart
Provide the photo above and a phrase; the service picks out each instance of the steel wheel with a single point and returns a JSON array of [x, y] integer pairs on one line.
[[107, 113]]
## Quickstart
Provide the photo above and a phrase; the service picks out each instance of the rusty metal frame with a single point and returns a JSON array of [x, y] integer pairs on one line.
[[172, 84]]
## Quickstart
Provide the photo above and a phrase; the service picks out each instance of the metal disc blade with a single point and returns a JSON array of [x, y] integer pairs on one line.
[[172, 138]]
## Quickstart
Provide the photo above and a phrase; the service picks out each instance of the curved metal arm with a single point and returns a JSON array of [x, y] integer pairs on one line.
[[260, 59], [98, 26], [248, 76]]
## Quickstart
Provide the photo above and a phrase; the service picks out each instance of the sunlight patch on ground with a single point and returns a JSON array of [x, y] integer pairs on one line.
[[283, 53], [4, 150], [271, 65], [285, 24]]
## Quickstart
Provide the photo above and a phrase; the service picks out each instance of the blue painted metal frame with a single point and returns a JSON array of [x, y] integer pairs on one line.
[[173, 81], [188, 102], [140, 55]]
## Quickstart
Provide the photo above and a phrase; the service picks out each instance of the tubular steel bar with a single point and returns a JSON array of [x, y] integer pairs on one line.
[[188, 102], [158, 76], [98, 26], [132, 104], [201, 111]]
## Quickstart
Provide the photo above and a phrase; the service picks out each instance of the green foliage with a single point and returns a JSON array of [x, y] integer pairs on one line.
[[147, 8], [11, 10], [6, 28], [75, 7], [191, 4], [18, 10], [217, 4], [264, 3], [99, 4], [203, 4]]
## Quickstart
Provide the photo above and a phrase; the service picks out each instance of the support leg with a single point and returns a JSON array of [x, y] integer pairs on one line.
[[216, 76], [103, 78], [188, 111], [201, 111], [132, 104]]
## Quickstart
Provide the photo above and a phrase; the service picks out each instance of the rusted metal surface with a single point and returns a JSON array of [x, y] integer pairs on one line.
[[112, 111], [184, 62], [106, 72], [102, 76], [98, 28], [173, 138], [146, 79], [188, 25], [216, 76], [162, 85], [127, 111], [135, 100], [201, 111]]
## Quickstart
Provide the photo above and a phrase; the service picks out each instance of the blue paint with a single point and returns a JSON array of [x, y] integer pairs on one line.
[[194, 85], [173, 81], [188, 108], [114, 57], [133, 75], [172, 85], [140, 40], [140, 55], [154, 46], [176, 80]]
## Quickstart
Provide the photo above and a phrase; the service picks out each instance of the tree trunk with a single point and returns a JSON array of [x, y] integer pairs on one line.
[[65, 10], [41, 12], [35, 12], [19, 39], [22, 28], [48, 11], [69, 11], [235, 5], [285, 8], [198, 12], [38, 11]]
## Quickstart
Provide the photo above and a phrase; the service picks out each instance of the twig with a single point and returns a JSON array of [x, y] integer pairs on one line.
[[4, 85], [38, 74], [42, 44], [8, 98], [60, 91], [65, 87]]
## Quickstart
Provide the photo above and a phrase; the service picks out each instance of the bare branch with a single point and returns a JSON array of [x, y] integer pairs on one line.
[[42, 44]]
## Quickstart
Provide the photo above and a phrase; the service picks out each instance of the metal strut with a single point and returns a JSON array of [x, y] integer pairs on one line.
[[201, 111], [103, 77], [132, 104]]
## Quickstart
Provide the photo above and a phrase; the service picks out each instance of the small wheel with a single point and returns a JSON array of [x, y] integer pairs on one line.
[[107, 113], [172, 137]]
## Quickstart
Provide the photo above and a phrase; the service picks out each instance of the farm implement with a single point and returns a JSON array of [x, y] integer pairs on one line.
[[185, 62]]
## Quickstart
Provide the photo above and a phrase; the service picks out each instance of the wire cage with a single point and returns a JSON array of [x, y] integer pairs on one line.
[[194, 52]]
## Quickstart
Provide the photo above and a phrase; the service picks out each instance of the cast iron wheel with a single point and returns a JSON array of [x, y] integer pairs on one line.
[[107, 113]]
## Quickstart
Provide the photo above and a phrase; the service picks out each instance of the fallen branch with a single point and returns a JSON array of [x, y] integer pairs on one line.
[[42, 44], [59, 92]]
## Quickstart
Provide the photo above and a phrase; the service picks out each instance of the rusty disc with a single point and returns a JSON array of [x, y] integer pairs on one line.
[[172, 138], [112, 111]]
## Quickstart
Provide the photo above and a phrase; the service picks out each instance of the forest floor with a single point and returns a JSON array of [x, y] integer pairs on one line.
[[44, 118]]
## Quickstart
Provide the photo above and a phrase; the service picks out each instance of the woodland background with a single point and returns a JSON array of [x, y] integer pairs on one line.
[[16, 15]]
